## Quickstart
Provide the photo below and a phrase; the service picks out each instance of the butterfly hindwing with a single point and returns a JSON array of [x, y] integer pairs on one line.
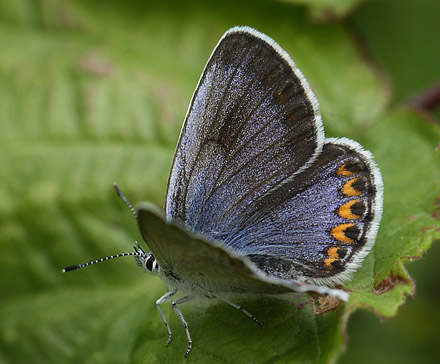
[[319, 226]]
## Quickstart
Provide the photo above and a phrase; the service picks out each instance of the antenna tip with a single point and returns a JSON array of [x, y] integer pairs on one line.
[[69, 268], [116, 188]]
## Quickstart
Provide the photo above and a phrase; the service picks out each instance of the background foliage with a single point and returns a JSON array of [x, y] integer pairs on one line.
[[95, 92]]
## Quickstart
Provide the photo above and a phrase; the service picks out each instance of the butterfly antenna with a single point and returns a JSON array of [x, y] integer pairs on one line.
[[138, 252], [123, 198], [73, 267]]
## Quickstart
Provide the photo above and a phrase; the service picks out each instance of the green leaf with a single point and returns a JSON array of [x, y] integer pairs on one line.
[[325, 9], [412, 62], [92, 94], [409, 222]]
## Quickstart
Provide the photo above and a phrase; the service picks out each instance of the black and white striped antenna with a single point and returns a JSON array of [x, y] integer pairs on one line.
[[123, 198], [138, 251], [73, 267]]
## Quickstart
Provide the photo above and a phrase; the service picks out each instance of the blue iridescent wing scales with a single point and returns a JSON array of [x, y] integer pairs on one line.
[[319, 226], [252, 123]]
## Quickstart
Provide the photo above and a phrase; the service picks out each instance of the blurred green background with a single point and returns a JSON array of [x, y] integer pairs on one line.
[[93, 92]]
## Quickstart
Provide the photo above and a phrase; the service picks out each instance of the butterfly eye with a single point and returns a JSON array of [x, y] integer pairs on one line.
[[150, 263]]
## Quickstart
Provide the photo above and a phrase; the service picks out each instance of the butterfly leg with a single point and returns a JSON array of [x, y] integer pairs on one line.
[[182, 320], [247, 313], [161, 300]]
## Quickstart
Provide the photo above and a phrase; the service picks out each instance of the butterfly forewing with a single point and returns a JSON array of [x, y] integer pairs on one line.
[[252, 123]]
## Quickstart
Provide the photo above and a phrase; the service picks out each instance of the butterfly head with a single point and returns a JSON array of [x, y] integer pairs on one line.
[[145, 260]]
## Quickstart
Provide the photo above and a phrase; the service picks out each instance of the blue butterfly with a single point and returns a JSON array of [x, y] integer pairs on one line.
[[258, 200]]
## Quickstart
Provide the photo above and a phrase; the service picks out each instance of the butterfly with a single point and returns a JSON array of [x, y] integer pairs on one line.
[[258, 200]]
